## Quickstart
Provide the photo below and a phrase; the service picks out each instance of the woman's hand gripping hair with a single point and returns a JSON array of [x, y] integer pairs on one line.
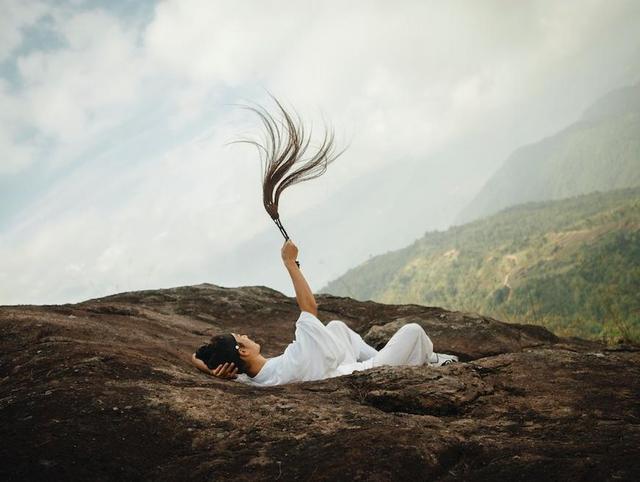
[[289, 252]]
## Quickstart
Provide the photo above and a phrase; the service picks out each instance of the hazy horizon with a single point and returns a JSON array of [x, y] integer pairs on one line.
[[114, 171]]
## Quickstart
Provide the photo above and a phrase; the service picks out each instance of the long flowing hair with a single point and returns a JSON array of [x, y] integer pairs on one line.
[[283, 148]]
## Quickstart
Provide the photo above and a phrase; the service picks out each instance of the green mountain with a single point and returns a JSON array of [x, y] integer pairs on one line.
[[577, 160], [572, 265]]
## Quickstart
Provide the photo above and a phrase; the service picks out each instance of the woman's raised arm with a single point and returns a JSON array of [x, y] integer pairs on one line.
[[304, 295]]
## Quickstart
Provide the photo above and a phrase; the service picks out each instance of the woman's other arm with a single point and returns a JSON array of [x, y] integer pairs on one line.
[[304, 295], [226, 371]]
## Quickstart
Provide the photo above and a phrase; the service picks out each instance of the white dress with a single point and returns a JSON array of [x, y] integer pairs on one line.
[[320, 351]]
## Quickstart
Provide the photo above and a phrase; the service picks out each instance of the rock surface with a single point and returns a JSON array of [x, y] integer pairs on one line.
[[103, 390]]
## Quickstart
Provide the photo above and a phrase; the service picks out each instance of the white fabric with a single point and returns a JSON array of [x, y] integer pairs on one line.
[[320, 351]]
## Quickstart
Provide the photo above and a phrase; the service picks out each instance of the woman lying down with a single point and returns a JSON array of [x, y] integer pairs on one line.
[[319, 351]]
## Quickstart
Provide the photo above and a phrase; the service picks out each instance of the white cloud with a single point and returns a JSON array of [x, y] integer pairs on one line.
[[76, 93], [16, 16], [156, 223], [16, 156]]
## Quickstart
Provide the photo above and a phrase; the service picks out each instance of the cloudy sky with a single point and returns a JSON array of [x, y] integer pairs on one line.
[[115, 173]]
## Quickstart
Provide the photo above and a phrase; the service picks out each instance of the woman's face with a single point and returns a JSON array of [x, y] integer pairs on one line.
[[247, 344]]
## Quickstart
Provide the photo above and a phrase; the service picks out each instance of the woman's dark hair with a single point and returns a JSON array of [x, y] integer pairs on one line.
[[219, 350]]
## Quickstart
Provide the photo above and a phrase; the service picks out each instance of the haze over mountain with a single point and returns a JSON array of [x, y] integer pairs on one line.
[[601, 151]]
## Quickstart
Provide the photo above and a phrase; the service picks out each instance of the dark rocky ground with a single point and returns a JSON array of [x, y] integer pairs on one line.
[[103, 390]]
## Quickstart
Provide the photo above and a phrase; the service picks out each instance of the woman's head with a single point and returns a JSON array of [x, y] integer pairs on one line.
[[231, 347]]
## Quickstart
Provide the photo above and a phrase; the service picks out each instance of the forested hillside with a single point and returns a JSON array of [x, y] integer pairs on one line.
[[571, 265], [600, 152]]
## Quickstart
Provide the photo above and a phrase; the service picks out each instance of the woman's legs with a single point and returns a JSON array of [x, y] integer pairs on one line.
[[362, 350], [410, 345]]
